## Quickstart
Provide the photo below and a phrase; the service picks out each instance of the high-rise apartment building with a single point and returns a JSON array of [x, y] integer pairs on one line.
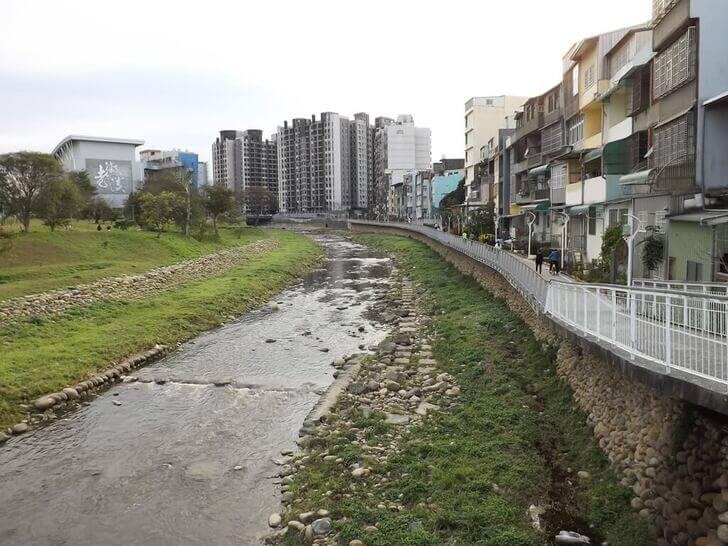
[[325, 165], [381, 178], [244, 160]]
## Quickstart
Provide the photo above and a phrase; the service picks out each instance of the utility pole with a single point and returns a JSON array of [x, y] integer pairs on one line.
[[563, 236]]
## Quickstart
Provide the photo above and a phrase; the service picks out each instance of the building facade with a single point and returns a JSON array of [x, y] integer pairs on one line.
[[111, 164], [243, 160], [484, 117], [158, 160]]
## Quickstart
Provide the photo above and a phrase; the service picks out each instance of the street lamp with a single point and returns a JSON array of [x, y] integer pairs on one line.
[[629, 239], [563, 236], [497, 221], [530, 230]]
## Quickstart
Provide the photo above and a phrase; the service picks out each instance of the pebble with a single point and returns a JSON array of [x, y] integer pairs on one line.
[[296, 525], [360, 472], [20, 428], [116, 402], [274, 520], [321, 526]]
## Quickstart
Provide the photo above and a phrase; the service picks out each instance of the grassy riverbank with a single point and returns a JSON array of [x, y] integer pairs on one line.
[[470, 474], [43, 260], [45, 355]]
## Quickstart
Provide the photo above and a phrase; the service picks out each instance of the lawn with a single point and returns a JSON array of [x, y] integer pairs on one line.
[[468, 476], [43, 356], [43, 260]]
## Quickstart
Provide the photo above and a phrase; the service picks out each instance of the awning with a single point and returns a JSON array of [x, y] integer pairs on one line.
[[543, 205], [718, 99], [636, 179], [676, 116], [596, 153], [616, 156], [705, 218], [579, 209], [537, 171]]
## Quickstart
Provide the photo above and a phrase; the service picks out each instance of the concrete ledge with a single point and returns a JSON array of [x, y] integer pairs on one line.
[[680, 385]]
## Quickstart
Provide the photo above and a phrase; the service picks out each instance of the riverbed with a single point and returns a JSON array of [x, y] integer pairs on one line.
[[185, 454]]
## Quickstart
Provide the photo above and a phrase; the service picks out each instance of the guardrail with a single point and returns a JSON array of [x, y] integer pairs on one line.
[[680, 328], [720, 289], [524, 279]]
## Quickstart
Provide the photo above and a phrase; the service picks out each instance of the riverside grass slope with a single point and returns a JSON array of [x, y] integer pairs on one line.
[[45, 355], [43, 260], [469, 475]]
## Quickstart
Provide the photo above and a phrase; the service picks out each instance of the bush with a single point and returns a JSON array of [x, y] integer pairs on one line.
[[124, 224]]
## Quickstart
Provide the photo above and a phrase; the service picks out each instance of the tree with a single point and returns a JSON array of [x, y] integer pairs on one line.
[[59, 203], [24, 176], [218, 199], [176, 180], [653, 251], [160, 209], [85, 187], [260, 201], [98, 209]]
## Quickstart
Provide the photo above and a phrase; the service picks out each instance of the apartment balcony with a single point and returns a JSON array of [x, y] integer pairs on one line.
[[552, 117], [528, 127], [573, 194], [594, 92], [558, 196], [594, 141], [619, 131], [520, 166], [668, 17], [595, 190], [534, 160]]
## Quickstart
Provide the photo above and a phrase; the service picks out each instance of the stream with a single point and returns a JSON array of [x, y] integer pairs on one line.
[[185, 454]]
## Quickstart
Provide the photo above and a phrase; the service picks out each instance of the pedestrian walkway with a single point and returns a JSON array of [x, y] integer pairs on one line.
[[676, 333]]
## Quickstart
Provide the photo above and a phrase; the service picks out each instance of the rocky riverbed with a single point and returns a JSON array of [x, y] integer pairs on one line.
[[401, 382]]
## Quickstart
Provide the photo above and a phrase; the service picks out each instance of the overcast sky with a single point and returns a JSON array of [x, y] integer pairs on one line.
[[174, 73]]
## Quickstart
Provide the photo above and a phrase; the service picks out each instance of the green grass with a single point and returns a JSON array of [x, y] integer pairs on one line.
[[517, 427], [45, 355], [42, 260]]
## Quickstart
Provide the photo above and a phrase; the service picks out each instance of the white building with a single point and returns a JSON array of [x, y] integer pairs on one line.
[[409, 150], [484, 116], [203, 176], [111, 164]]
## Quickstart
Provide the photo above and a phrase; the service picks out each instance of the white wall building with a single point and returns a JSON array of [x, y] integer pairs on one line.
[[484, 116], [111, 164]]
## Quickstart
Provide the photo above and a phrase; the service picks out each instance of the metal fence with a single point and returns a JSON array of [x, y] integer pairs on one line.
[[677, 330], [677, 326], [518, 273]]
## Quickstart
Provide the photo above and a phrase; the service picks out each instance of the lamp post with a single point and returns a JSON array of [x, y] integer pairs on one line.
[[532, 221], [629, 239], [495, 228], [563, 236]]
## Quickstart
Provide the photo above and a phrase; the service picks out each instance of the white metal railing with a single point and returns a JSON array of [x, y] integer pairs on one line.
[[714, 288], [523, 278], [675, 329], [678, 326]]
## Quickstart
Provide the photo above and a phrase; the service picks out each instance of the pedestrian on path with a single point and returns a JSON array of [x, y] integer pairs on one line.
[[539, 261], [465, 236], [555, 259]]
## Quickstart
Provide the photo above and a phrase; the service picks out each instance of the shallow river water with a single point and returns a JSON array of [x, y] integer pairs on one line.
[[164, 466]]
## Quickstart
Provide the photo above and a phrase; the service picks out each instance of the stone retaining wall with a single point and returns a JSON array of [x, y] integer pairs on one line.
[[130, 287], [672, 454]]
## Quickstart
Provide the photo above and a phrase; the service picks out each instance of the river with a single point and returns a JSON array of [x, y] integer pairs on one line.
[[185, 455]]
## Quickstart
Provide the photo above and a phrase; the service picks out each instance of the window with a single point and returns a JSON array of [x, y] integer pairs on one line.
[[694, 271], [576, 129], [551, 138], [674, 142], [676, 65], [592, 220], [589, 79], [618, 216], [575, 80]]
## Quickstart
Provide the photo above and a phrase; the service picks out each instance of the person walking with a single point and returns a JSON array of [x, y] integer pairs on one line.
[[539, 262], [555, 259]]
